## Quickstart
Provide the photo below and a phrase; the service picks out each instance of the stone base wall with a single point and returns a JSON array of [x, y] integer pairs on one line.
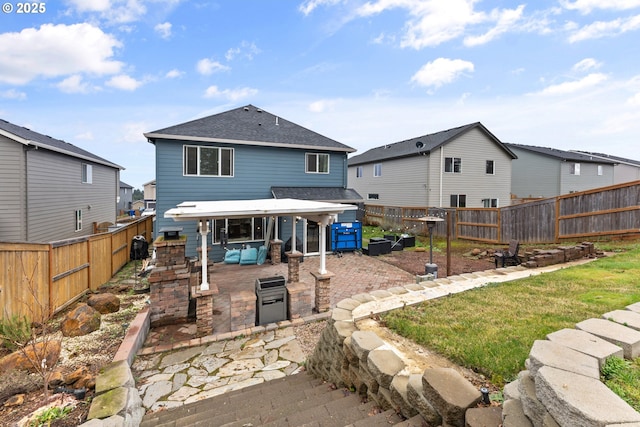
[[299, 300], [545, 257], [243, 310], [169, 295]]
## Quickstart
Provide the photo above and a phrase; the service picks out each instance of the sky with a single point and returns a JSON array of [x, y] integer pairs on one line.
[[99, 73]]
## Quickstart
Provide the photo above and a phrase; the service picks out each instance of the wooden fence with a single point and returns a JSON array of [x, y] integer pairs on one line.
[[49, 276], [612, 211]]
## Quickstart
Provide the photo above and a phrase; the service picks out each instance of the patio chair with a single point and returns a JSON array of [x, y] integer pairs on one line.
[[508, 256]]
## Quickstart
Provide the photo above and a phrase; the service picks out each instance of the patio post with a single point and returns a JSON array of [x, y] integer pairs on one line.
[[204, 232], [324, 222], [294, 246]]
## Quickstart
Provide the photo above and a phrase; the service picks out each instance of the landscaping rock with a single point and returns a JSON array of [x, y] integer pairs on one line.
[[450, 394], [24, 360], [586, 343], [104, 303], [549, 353], [513, 414], [80, 321], [627, 338], [483, 417]]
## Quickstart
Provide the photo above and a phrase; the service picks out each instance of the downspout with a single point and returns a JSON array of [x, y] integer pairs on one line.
[[441, 172]]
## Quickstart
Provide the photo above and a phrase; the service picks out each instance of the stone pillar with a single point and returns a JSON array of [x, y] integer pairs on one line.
[[243, 311], [204, 310], [294, 266], [323, 291], [275, 251], [299, 300], [169, 282]]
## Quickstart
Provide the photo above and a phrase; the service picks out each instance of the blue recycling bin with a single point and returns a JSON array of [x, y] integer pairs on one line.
[[346, 236]]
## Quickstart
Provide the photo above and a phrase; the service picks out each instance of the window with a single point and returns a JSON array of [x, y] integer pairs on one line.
[[359, 171], [489, 168], [600, 170], [377, 169], [79, 220], [87, 173], [373, 196], [208, 161], [458, 200], [240, 229], [489, 203], [317, 163], [453, 164], [574, 169]]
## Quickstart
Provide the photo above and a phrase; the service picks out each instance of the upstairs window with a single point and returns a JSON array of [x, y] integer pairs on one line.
[[453, 164], [207, 161], [489, 168], [317, 163], [574, 169], [600, 170], [489, 203], [458, 200], [87, 173], [377, 170], [359, 171]]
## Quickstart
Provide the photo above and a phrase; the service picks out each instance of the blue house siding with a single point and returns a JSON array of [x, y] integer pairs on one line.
[[256, 170]]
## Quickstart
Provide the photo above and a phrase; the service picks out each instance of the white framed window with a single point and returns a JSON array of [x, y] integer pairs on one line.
[[79, 220], [600, 170], [574, 169], [373, 196], [239, 229], [453, 164], [458, 200], [377, 170], [87, 173], [317, 163], [489, 203], [490, 167], [359, 171], [207, 161]]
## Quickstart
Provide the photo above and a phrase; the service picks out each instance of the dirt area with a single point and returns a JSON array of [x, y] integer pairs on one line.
[[98, 349]]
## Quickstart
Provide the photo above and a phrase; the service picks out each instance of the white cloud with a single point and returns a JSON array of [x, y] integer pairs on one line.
[[322, 105], [586, 6], [206, 67], [246, 50], [163, 29], [441, 71], [113, 11], [124, 82], [587, 82], [634, 101], [74, 84], [86, 136], [90, 5], [173, 74], [310, 5], [505, 20], [586, 65], [13, 94], [601, 29], [230, 94], [133, 132], [57, 50]]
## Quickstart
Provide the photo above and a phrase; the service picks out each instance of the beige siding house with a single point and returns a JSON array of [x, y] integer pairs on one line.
[[462, 167]]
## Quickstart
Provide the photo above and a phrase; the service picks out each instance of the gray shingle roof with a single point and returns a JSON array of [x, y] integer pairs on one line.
[[613, 158], [248, 125], [320, 194], [420, 145], [29, 137], [571, 156]]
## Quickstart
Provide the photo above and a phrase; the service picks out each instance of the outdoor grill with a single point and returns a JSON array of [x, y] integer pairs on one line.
[[271, 301]]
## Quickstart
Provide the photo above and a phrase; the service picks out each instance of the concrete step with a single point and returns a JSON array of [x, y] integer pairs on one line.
[[296, 400]]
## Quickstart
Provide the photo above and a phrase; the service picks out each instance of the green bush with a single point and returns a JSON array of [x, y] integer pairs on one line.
[[15, 332]]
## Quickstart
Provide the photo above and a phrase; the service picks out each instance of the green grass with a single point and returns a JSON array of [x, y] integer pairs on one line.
[[491, 329], [623, 378]]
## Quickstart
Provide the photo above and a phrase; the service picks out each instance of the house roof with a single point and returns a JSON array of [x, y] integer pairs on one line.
[[324, 194], [616, 159], [124, 185], [421, 145], [248, 125], [30, 138], [567, 156]]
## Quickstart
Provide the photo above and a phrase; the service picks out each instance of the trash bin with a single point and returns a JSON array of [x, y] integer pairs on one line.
[[431, 269], [139, 248], [271, 300]]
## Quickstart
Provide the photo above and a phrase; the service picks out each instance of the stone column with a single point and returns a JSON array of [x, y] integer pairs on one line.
[[323, 291], [204, 310], [294, 266], [276, 247]]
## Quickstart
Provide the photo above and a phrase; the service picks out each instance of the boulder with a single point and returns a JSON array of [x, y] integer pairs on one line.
[[24, 360], [105, 303], [82, 320]]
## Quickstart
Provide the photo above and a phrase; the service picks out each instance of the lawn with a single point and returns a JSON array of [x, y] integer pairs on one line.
[[491, 329]]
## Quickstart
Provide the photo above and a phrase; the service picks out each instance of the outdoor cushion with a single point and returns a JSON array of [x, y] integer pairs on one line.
[[262, 255], [248, 256], [232, 256]]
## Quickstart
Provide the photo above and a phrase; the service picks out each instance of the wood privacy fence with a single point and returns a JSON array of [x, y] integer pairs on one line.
[[39, 279], [612, 211]]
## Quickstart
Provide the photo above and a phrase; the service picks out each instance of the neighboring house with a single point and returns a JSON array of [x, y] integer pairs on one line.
[[465, 166], [125, 198], [50, 189], [624, 170], [149, 189], [243, 154], [541, 172], [138, 205]]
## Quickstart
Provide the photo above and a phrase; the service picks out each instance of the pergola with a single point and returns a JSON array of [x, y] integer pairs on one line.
[[323, 213]]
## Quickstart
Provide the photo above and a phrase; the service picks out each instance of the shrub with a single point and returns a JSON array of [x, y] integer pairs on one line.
[[15, 332]]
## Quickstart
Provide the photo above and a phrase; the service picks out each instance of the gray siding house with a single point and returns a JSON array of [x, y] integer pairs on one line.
[[243, 154], [125, 198], [624, 170], [465, 166], [541, 172], [50, 189]]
